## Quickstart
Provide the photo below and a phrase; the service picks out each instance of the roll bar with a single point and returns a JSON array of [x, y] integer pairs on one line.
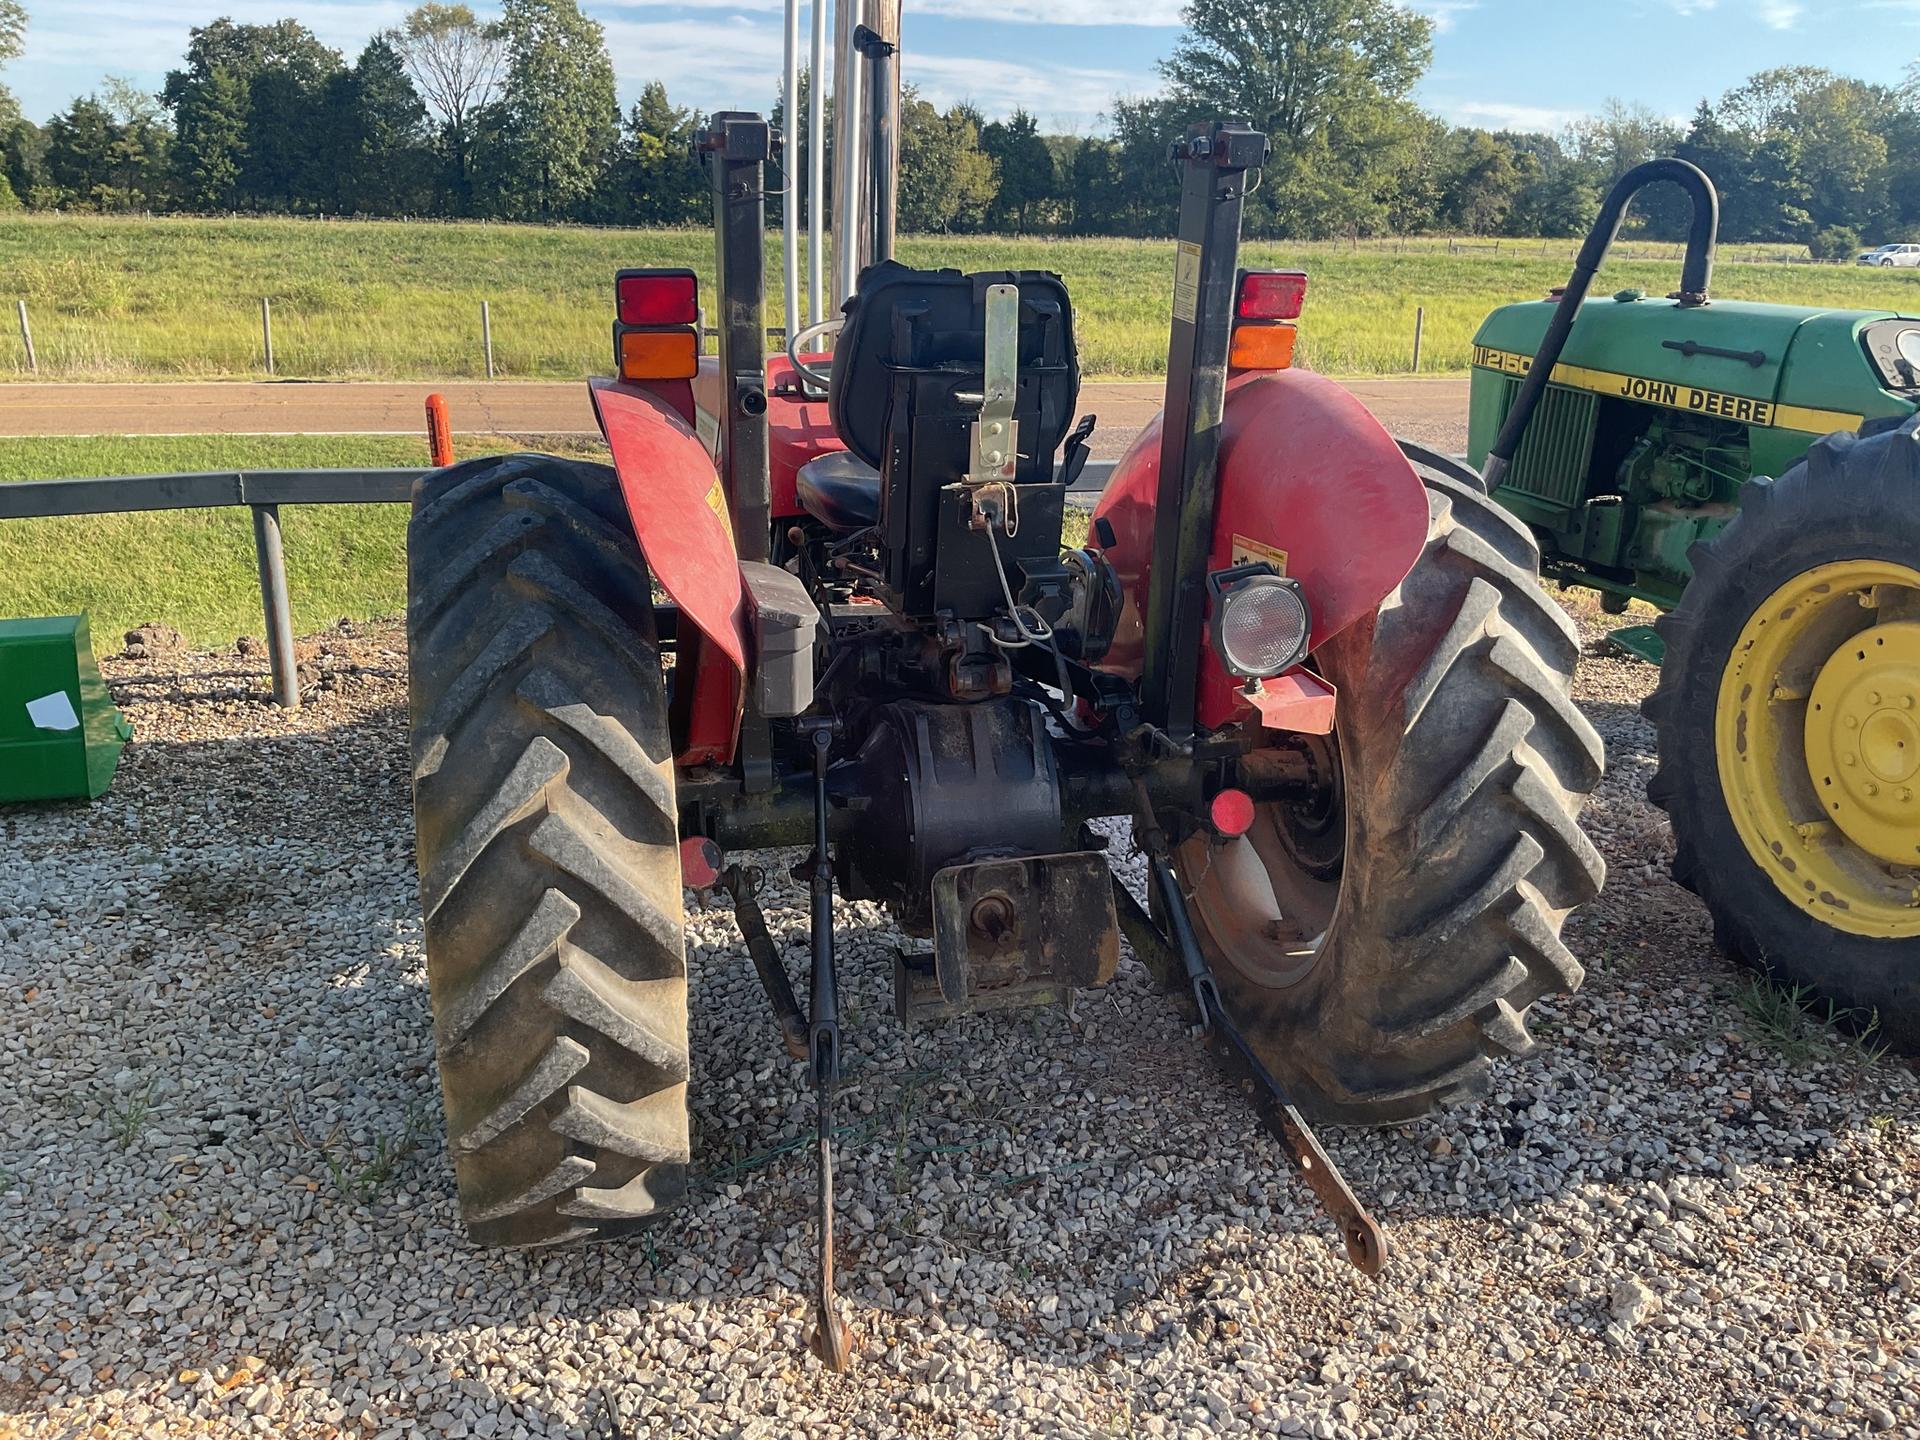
[[1696, 277]]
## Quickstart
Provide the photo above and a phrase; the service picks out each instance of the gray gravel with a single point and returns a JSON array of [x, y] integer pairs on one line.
[[227, 1208]]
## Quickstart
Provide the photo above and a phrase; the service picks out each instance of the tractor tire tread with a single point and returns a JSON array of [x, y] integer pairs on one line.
[[547, 846], [1851, 496], [1467, 765]]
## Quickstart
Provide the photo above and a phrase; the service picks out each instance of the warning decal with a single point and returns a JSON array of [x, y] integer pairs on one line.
[[1186, 282]]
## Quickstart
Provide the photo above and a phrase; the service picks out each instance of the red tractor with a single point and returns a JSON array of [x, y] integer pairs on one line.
[[822, 601]]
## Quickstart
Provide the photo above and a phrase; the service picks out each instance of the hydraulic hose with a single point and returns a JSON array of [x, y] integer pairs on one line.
[[1696, 277]]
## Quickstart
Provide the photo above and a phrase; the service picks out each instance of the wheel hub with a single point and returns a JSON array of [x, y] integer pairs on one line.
[[1863, 739]]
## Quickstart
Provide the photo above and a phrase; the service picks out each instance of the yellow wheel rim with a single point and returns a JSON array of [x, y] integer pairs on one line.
[[1817, 734]]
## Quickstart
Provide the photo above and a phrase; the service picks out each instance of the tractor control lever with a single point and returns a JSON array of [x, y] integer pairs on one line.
[[832, 1342], [1366, 1242]]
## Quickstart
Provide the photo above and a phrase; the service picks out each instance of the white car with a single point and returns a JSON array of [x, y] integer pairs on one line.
[[1890, 255]]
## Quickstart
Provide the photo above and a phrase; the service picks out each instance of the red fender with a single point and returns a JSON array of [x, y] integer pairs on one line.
[[1310, 482], [679, 515]]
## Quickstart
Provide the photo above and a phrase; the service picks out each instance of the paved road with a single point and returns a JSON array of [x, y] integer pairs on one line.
[[1433, 412]]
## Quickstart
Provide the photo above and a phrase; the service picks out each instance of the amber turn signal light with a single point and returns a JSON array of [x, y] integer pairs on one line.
[[657, 354], [1262, 345]]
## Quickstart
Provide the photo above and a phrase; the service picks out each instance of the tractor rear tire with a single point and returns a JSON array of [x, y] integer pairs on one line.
[[1788, 715], [1379, 951], [547, 847]]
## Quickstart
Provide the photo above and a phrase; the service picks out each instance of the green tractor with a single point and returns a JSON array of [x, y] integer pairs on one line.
[[1754, 471]]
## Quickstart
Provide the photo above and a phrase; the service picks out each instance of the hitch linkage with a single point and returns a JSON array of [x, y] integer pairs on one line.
[[1366, 1242], [831, 1341]]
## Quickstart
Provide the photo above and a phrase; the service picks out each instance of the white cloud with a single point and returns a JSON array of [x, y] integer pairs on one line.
[[1495, 115], [1054, 12], [1442, 12], [1780, 14]]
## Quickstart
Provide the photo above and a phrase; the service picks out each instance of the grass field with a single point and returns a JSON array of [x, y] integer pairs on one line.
[[181, 297], [194, 569]]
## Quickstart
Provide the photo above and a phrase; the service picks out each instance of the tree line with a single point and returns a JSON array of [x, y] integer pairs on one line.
[[452, 115]]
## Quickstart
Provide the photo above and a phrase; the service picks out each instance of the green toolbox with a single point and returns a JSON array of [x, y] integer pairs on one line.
[[60, 735]]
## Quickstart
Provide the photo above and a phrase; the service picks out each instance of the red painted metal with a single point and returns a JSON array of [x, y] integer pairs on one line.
[[700, 860], [679, 516], [797, 428], [1299, 701], [797, 431], [1308, 481]]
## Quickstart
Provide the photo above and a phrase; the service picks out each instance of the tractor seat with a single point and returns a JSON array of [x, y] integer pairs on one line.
[[840, 490]]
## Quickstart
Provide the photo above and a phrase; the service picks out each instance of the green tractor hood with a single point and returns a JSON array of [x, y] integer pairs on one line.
[[1776, 367]]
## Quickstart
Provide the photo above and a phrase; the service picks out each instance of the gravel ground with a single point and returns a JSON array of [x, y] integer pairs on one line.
[[227, 1208]]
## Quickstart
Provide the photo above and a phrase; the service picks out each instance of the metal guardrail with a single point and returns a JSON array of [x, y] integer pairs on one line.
[[263, 492], [23, 499]]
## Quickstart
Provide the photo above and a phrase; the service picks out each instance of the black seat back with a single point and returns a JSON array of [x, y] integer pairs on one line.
[[913, 346], [931, 325]]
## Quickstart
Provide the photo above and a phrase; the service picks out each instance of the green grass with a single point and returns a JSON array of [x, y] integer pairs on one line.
[[180, 297], [194, 569]]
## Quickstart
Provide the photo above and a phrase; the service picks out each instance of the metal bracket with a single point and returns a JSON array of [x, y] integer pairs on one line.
[[996, 434]]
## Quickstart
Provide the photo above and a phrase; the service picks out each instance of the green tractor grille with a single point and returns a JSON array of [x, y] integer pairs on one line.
[[1558, 446]]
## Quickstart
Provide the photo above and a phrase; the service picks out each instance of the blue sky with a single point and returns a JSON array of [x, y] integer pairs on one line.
[[1529, 63]]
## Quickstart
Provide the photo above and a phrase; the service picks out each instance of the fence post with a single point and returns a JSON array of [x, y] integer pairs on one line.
[[486, 333], [1419, 325], [273, 600], [26, 339], [266, 329]]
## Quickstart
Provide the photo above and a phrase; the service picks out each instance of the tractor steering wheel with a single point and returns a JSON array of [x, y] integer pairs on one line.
[[800, 339]]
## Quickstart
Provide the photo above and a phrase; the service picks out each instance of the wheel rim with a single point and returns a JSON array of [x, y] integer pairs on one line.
[[1817, 735], [1268, 898]]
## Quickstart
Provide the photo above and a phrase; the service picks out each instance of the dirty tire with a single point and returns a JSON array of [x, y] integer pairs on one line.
[[1464, 764], [549, 872], [1851, 498]]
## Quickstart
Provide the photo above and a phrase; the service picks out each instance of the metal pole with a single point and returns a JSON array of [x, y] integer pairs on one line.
[[817, 167], [883, 139], [737, 147], [486, 333], [266, 329], [1419, 324], [26, 338], [273, 600], [790, 160], [1215, 159], [849, 191]]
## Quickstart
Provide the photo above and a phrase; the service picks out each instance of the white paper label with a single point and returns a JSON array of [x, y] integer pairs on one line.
[[53, 712]]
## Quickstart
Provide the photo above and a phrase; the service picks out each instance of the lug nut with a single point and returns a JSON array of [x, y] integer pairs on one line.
[[1872, 789]]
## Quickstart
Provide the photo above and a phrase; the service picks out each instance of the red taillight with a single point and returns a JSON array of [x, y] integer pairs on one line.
[[1271, 294], [656, 297]]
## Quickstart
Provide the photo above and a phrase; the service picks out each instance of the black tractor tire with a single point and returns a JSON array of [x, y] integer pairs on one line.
[[548, 850], [1852, 498], [1427, 904]]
